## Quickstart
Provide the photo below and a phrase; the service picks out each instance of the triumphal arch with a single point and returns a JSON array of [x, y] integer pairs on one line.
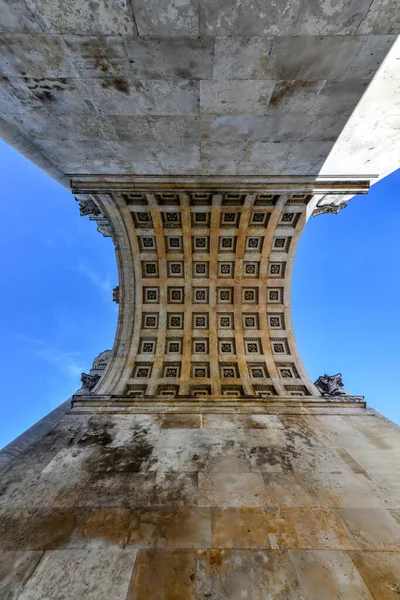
[[198, 459]]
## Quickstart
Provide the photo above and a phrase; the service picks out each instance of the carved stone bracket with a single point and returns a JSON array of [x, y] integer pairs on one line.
[[115, 294], [89, 208], [330, 385], [90, 380], [328, 209]]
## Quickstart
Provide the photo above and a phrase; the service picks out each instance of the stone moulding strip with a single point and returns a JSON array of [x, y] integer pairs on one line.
[[99, 403], [335, 184]]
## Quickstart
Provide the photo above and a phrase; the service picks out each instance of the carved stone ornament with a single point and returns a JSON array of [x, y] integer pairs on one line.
[[330, 385], [328, 209], [89, 381], [87, 206], [101, 361], [115, 294]]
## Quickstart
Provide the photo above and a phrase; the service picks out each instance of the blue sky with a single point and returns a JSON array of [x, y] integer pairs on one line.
[[345, 296], [56, 310], [58, 273]]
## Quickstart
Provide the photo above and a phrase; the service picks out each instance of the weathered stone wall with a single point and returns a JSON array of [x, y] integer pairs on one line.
[[281, 503], [206, 87]]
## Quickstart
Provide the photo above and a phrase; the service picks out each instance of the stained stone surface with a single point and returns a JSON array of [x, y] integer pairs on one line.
[[148, 524], [201, 136], [206, 88]]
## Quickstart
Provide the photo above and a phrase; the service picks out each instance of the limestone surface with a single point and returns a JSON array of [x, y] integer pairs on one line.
[[161, 514]]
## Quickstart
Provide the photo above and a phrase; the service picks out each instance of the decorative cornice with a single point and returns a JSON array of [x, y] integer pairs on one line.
[[123, 404], [277, 184]]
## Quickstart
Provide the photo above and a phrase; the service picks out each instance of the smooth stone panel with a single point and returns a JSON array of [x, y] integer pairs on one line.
[[73, 16], [15, 570], [15, 17], [348, 490], [102, 527], [162, 574], [310, 528], [321, 17], [90, 574], [232, 489], [294, 97], [263, 422], [253, 574], [47, 490], [381, 573], [382, 17], [183, 527], [235, 97], [288, 490], [161, 489], [270, 438], [41, 530], [331, 573], [239, 528], [262, 17], [180, 421], [155, 17], [307, 58], [116, 96], [98, 55], [170, 57], [374, 529], [241, 57], [49, 59]]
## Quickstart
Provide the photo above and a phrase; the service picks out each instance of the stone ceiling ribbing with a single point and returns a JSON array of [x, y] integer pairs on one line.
[[194, 87], [204, 283]]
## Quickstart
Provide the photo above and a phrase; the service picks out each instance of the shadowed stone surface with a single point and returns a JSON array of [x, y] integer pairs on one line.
[[239, 88]]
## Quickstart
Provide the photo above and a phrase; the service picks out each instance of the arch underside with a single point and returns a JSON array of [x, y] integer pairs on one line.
[[205, 279]]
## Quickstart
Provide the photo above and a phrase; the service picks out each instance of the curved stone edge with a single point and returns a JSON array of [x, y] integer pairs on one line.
[[14, 138], [15, 448]]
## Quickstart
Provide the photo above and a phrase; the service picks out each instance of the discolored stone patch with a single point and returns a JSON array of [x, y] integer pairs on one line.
[[310, 528], [271, 438], [42, 530], [328, 572], [237, 574], [263, 422], [347, 490], [288, 490], [374, 529], [93, 574], [223, 421], [101, 527], [133, 457], [269, 459], [239, 528], [232, 489], [15, 570], [97, 433], [381, 573], [149, 489], [185, 421], [164, 574], [183, 527], [47, 490]]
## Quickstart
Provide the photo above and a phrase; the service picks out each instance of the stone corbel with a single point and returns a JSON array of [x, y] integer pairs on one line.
[[89, 208], [328, 209], [91, 379]]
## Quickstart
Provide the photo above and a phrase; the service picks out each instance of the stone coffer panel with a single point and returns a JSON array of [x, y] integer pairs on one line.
[[273, 503]]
